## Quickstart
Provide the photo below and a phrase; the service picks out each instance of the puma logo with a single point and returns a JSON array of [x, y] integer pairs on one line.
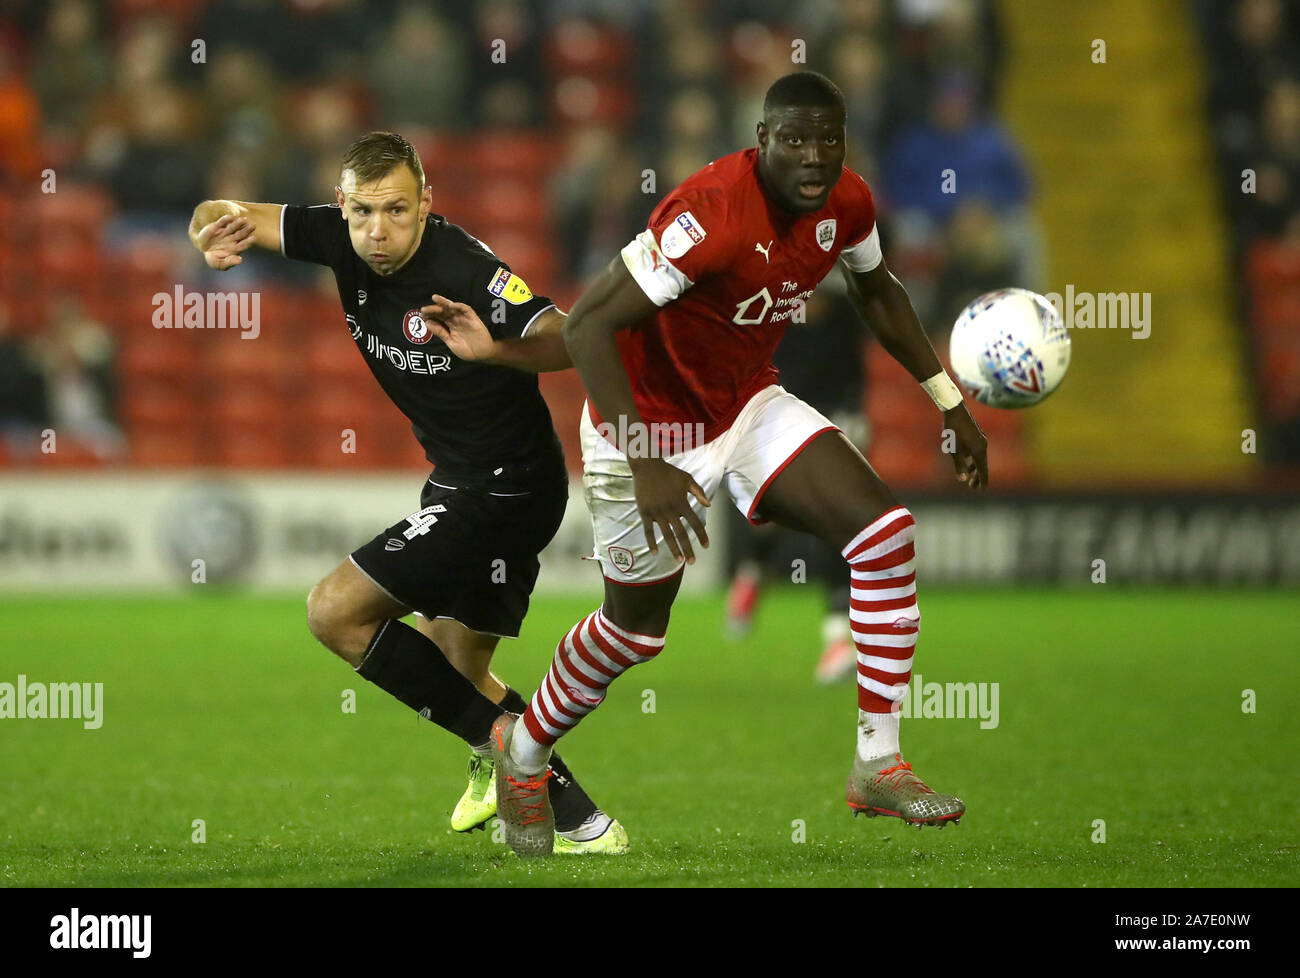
[[766, 256]]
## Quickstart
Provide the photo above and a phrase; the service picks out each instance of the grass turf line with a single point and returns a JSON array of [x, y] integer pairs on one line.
[[1116, 705]]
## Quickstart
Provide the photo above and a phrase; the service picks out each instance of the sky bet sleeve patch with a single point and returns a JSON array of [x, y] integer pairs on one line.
[[509, 286], [682, 235]]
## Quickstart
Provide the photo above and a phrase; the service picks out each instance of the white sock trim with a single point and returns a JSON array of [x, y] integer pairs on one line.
[[877, 735], [526, 752], [892, 516], [654, 640]]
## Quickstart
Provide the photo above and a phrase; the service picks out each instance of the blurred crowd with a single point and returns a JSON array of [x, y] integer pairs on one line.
[[162, 103], [1253, 51]]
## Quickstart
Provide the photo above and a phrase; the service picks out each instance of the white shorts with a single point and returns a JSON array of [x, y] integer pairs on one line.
[[771, 429]]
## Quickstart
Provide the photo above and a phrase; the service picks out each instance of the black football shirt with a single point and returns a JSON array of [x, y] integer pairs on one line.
[[478, 423]]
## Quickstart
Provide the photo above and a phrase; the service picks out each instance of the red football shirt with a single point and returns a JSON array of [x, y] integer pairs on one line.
[[728, 269]]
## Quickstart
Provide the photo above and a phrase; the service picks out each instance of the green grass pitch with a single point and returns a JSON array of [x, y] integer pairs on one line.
[[1124, 706]]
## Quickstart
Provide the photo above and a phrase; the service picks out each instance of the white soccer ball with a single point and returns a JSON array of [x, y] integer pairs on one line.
[[1009, 348]]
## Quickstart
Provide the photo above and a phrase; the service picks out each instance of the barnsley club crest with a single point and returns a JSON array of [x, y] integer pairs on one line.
[[621, 558], [826, 234]]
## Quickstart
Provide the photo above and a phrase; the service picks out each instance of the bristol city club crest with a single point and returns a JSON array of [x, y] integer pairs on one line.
[[826, 234], [415, 328]]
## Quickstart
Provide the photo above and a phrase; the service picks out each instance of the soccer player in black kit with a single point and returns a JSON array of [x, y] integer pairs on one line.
[[466, 561]]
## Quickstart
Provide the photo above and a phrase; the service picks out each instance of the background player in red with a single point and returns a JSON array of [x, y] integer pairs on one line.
[[679, 332]]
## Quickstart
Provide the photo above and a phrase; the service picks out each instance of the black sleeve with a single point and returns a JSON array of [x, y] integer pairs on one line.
[[316, 234], [501, 298]]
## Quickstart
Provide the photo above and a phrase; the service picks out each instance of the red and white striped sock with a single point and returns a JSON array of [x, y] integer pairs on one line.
[[885, 622], [592, 655]]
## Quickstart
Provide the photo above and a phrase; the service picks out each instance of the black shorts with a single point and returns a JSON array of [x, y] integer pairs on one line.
[[468, 554]]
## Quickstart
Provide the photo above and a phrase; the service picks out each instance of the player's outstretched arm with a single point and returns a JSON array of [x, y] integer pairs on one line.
[[615, 302], [223, 229], [883, 304], [457, 324]]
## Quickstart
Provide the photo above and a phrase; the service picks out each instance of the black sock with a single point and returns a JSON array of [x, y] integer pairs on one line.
[[512, 702], [410, 666], [571, 805]]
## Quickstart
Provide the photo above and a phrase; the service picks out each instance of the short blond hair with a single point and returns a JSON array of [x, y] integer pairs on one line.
[[377, 154]]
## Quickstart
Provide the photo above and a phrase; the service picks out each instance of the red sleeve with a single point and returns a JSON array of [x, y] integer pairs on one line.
[[862, 253], [860, 208], [684, 242]]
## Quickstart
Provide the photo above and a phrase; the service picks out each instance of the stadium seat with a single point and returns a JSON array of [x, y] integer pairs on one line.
[[581, 46], [902, 460], [535, 262], [154, 405], [67, 261], [76, 208], [164, 449], [521, 154], [882, 368], [578, 100], [145, 359], [899, 404], [1280, 383], [333, 363], [1008, 465], [245, 405], [143, 270], [234, 362], [1273, 266], [565, 398], [256, 446], [70, 453], [325, 416], [505, 203]]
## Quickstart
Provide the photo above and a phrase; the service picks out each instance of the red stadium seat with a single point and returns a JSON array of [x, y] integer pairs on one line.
[[1280, 383], [1273, 266], [159, 448], [581, 46], [234, 362], [1008, 465], [1277, 312], [66, 258], [882, 368], [332, 364], [899, 404], [70, 453], [534, 262], [502, 203], [149, 405], [143, 271], [325, 416], [251, 446], [75, 208], [523, 155], [146, 358], [565, 397], [245, 405], [904, 461]]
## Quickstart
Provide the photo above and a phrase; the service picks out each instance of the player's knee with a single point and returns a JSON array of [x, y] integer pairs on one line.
[[328, 621], [640, 621], [469, 662]]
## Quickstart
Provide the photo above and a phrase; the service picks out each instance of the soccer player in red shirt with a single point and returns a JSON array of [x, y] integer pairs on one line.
[[674, 343]]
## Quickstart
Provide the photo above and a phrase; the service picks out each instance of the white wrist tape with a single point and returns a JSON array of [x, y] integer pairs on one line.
[[942, 391]]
